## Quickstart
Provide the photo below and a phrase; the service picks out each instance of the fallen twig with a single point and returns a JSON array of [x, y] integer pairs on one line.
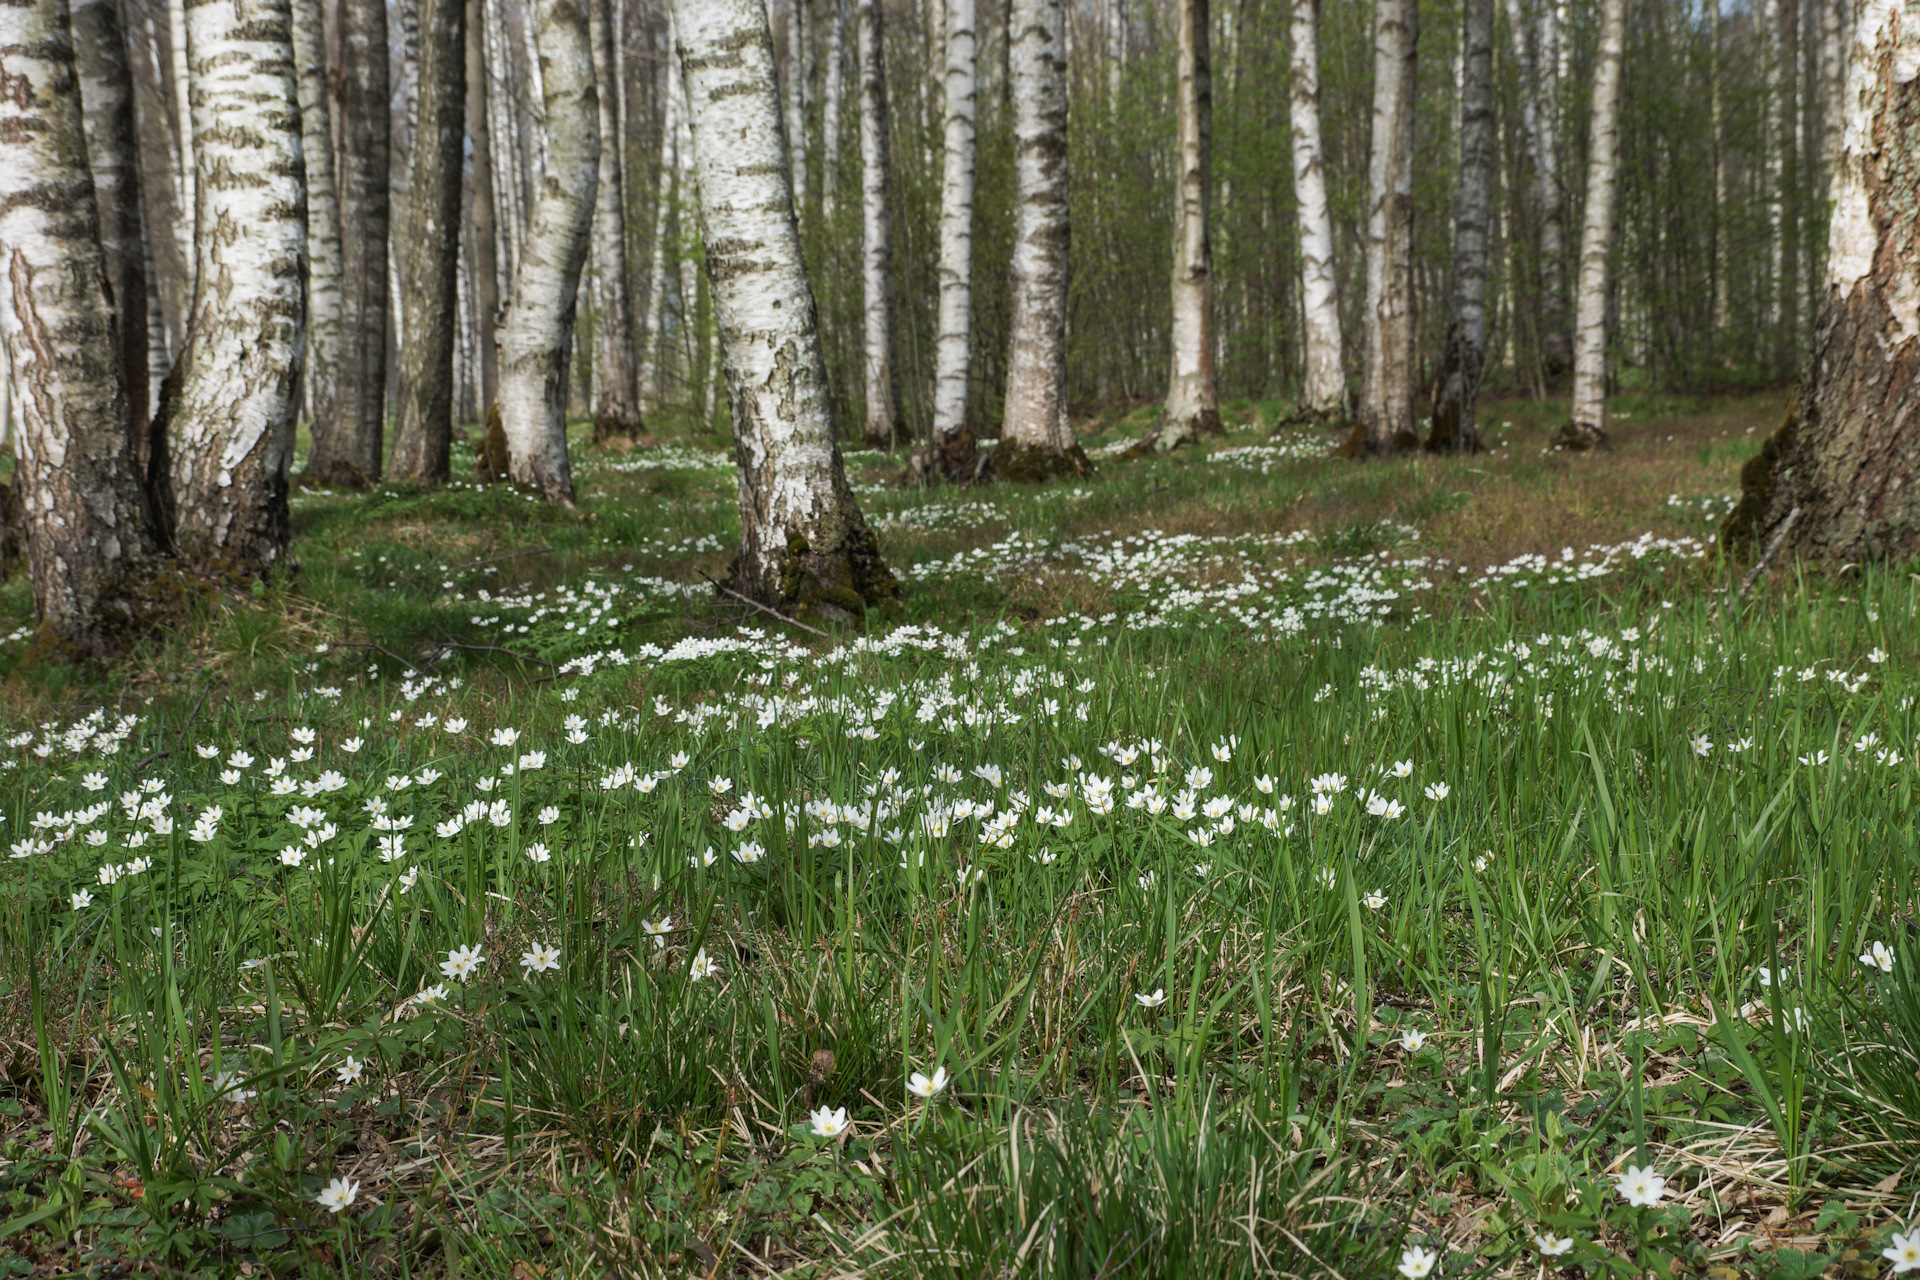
[[755, 604], [494, 648], [368, 644], [1773, 545]]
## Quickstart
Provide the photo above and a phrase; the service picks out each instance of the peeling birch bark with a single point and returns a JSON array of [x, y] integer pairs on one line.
[[538, 329], [805, 547], [1036, 439], [233, 398], [90, 539], [955, 455], [1843, 466], [1192, 407], [1385, 422], [1588, 430], [1325, 394]]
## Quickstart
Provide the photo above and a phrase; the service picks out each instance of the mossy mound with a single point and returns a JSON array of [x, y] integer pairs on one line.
[[1027, 465]]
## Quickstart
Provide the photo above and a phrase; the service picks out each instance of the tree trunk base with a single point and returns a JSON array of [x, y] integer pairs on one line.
[[618, 423], [836, 586], [1171, 433], [1582, 437], [956, 461], [1027, 465], [490, 459], [1359, 444]]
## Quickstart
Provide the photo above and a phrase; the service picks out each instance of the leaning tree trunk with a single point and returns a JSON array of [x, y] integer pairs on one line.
[[1036, 439], [882, 396], [616, 386], [90, 540], [1386, 391], [804, 546], [1193, 403], [348, 446], [955, 455], [1464, 357], [323, 214], [113, 153], [1840, 479], [538, 331], [1588, 429], [233, 397], [430, 267], [484, 220], [1326, 388]]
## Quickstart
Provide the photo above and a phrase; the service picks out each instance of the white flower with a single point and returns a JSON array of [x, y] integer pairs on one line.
[[1878, 956], [1438, 791], [747, 854], [208, 751], [1222, 752], [1550, 1247], [1417, 1263], [81, 899], [1154, 1001], [540, 959], [1878, 656], [94, 782], [829, 1122], [229, 777], [538, 852], [1766, 976], [658, 930], [352, 746], [1904, 1253], [292, 856], [1147, 880], [1412, 1038], [1702, 745], [533, 760], [705, 858], [1403, 769], [678, 761], [338, 1194], [461, 962], [501, 737], [1642, 1188], [720, 786], [349, 1071], [924, 1086], [409, 878], [1199, 777], [1375, 899], [1264, 784], [549, 815], [303, 735], [1323, 805], [703, 967], [240, 760]]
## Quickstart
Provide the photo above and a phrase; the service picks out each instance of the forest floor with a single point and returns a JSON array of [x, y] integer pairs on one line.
[[1240, 863]]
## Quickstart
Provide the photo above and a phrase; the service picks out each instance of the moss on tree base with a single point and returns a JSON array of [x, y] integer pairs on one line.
[[1027, 465]]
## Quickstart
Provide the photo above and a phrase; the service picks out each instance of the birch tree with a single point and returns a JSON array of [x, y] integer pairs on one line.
[[831, 94], [1386, 390], [349, 446], [91, 546], [876, 238], [430, 266], [1192, 407], [538, 329], [323, 212], [1036, 439], [1837, 481], [1539, 126], [233, 399], [113, 155], [955, 454], [796, 104], [804, 546], [1325, 395], [1465, 355], [1588, 429], [482, 218], [616, 382]]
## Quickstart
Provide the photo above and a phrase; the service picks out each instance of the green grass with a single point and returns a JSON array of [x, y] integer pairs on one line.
[[1401, 1019]]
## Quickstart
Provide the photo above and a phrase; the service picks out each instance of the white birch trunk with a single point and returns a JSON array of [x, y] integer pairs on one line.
[[1465, 355], [1540, 128], [1386, 392], [616, 387], [1589, 426], [187, 202], [1326, 383], [536, 333], [1772, 147], [831, 96], [1193, 406], [804, 543], [652, 349], [232, 417], [882, 402], [1036, 439], [90, 541], [954, 352], [797, 99], [323, 211]]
